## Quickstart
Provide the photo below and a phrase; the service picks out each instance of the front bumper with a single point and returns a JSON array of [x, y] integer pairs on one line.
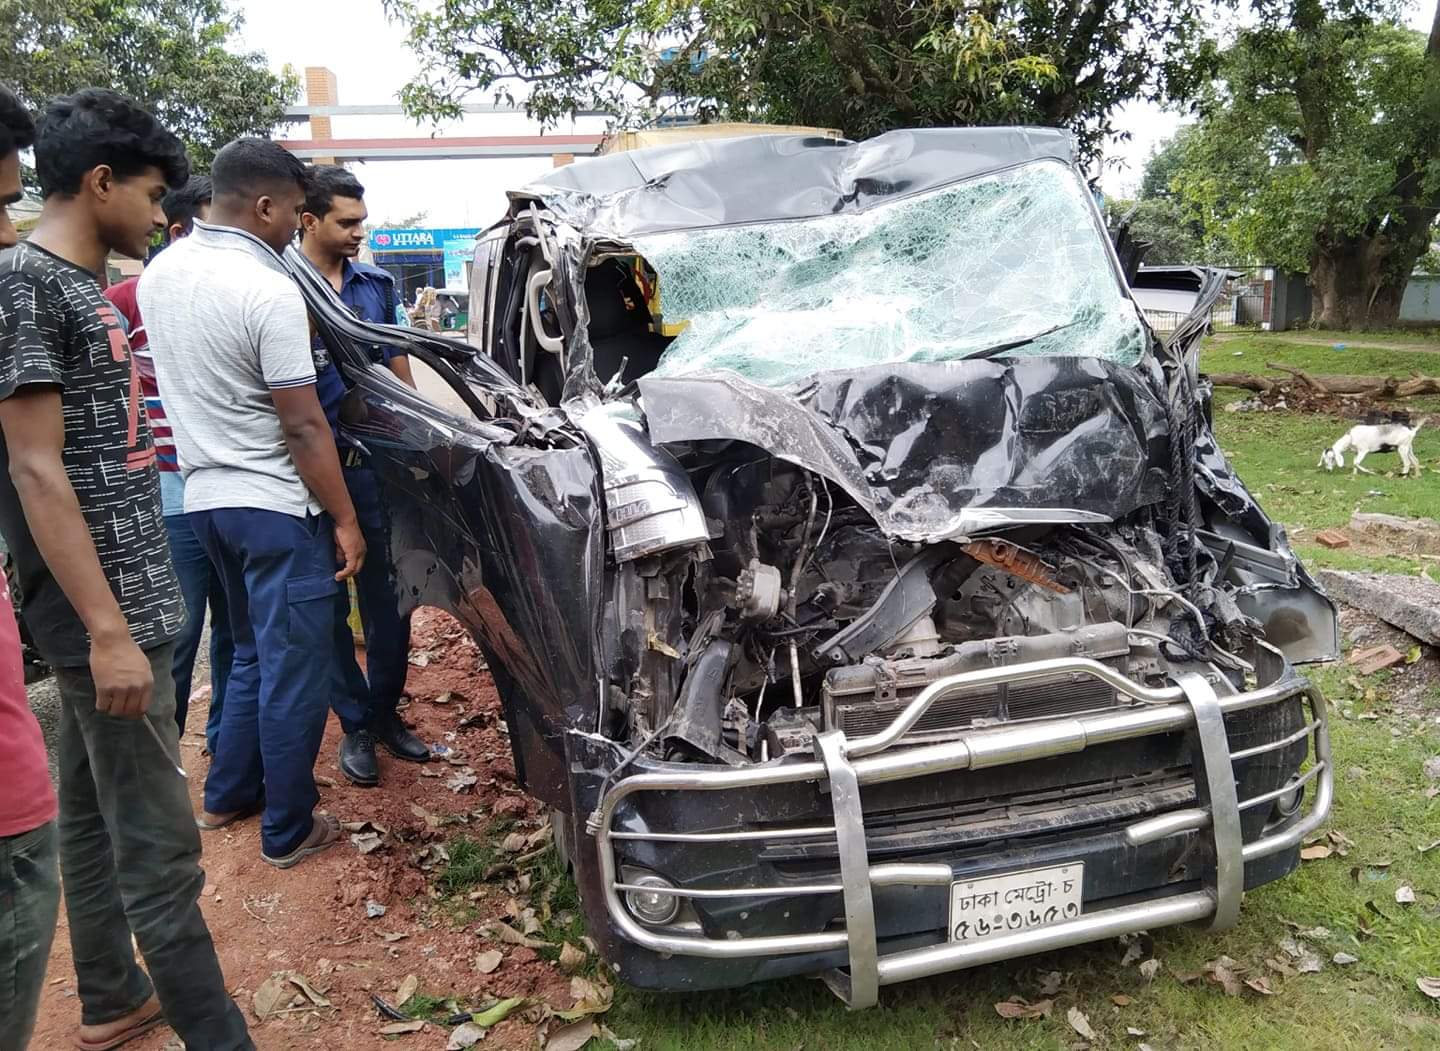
[[871, 880]]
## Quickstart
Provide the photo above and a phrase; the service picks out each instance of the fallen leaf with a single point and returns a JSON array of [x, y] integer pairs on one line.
[[1344, 959], [1222, 973], [444, 698], [1080, 1023], [431, 820], [1018, 1007], [1050, 983], [513, 843], [1309, 964], [1342, 842], [409, 985], [1279, 966], [1429, 986], [1428, 847], [394, 936], [366, 842], [1149, 969], [462, 779], [571, 959], [420, 659], [1131, 1031], [1121, 1000], [489, 962], [400, 1028], [1134, 951], [272, 995], [572, 1036], [300, 982], [1412, 655], [1405, 895], [374, 910], [606, 1033], [591, 998], [1261, 985], [467, 1035], [1316, 853], [502, 931], [498, 1013]]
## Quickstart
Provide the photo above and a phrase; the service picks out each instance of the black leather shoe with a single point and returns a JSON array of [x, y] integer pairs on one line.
[[357, 759], [400, 742]]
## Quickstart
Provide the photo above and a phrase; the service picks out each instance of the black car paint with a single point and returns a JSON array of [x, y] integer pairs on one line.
[[498, 519]]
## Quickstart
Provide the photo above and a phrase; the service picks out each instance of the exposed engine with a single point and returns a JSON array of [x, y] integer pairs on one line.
[[805, 617]]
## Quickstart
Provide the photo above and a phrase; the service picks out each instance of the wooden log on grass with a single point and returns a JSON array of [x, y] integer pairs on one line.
[[1344, 386]]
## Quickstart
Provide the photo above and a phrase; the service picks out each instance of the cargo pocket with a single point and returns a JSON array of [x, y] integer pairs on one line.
[[311, 601]]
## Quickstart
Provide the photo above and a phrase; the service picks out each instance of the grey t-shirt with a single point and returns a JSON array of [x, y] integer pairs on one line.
[[227, 326]]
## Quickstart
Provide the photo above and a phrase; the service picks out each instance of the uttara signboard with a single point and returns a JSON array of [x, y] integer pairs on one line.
[[419, 240]]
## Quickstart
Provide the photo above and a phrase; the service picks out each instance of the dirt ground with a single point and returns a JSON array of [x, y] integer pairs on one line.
[[312, 919]]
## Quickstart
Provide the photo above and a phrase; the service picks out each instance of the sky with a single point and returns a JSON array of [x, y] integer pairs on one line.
[[371, 63]]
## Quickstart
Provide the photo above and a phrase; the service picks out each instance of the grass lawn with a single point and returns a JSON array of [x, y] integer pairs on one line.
[[1380, 805], [1276, 453]]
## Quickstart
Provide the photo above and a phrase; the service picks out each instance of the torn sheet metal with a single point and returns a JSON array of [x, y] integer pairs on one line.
[[766, 178], [942, 450], [1009, 260]]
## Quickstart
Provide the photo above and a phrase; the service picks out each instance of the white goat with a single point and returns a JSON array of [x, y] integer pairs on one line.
[[1367, 438]]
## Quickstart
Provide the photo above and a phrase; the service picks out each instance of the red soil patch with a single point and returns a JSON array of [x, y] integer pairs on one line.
[[312, 919]]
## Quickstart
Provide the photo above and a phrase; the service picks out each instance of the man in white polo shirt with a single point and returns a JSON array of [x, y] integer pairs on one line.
[[263, 486]]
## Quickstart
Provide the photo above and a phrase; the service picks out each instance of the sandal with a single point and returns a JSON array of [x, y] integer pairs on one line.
[[228, 818], [140, 1028], [324, 833]]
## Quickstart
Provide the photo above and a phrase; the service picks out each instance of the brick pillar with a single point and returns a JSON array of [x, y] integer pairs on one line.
[[321, 90]]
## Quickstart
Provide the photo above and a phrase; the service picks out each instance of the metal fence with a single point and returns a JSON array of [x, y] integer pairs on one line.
[[1245, 305]]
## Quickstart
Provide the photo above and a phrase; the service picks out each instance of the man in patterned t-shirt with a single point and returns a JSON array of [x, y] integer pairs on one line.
[[80, 508]]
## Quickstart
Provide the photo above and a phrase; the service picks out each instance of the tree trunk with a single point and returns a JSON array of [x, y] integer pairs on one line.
[[1354, 285]]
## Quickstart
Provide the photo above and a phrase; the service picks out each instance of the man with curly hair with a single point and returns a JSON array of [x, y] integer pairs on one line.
[[80, 508]]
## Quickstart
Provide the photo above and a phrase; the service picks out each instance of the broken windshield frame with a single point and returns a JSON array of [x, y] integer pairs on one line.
[[1014, 258]]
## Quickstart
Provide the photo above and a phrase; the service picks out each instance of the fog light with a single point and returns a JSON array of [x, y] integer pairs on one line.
[[652, 906], [1287, 804]]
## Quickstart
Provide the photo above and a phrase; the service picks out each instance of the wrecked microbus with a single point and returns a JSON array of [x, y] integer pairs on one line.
[[865, 588]]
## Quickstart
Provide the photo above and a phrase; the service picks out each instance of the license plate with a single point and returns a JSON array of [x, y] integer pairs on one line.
[[1016, 901]]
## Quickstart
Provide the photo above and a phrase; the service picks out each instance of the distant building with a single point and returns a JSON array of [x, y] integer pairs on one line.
[[436, 256]]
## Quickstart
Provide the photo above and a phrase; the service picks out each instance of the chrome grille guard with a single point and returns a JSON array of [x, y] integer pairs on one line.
[[846, 765]]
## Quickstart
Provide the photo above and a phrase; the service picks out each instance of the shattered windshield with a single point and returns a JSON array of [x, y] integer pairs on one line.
[[1010, 263]]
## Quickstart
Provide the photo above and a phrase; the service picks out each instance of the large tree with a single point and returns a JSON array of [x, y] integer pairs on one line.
[[1319, 151], [862, 66], [176, 57]]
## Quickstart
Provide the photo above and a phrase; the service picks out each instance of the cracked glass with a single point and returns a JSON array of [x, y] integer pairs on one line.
[[1011, 263]]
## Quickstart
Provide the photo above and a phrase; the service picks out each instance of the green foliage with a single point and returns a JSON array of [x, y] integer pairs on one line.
[[862, 66], [1319, 151], [1173, 237], [172, 56], [469, 861]]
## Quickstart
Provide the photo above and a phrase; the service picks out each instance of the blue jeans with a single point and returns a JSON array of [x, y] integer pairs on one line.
[[200, 586], [278, 572], [29, 903], [358, 703]]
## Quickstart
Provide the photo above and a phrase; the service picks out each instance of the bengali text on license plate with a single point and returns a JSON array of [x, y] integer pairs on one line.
[[1016, 901]]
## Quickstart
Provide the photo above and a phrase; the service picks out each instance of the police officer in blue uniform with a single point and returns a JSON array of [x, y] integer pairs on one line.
[[332, 229]]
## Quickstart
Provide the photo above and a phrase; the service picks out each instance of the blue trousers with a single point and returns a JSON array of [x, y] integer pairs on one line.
[[362, 704], [200, 587], [278, 572]]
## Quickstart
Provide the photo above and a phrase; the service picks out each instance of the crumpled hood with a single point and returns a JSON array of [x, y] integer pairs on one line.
[[945, 449]]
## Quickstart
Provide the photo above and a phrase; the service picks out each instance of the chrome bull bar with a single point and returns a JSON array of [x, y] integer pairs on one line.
[[846, 765]]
